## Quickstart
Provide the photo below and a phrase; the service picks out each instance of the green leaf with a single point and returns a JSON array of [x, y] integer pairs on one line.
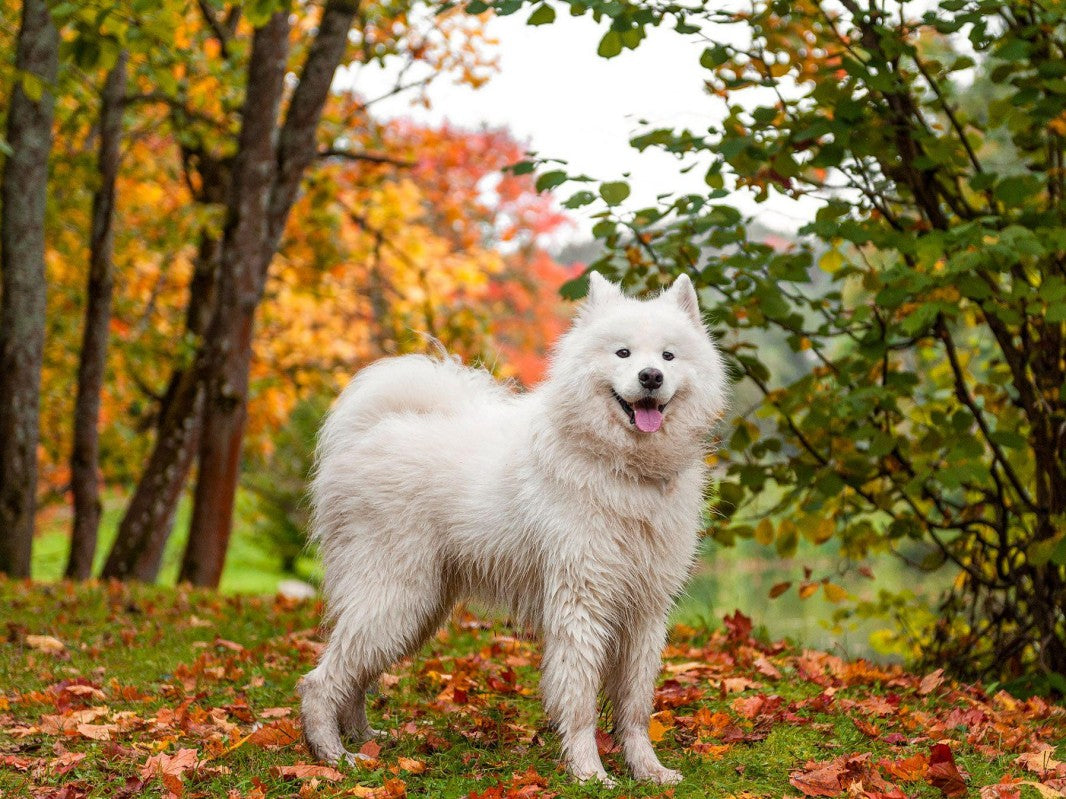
[[1009, 439], [1016, 190], [549, 180], [579, 199], [476, 7], [543, 15], [615, 192], [610, 44], [575, 289], [714, 57]]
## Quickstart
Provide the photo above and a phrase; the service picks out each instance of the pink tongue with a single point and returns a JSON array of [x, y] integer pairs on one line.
[[648, 419]]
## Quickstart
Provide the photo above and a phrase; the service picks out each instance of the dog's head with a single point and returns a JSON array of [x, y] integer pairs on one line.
[[642, 374]]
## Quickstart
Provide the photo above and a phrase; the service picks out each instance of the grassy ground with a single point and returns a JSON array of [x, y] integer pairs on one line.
[[128, 691], [727, 577]]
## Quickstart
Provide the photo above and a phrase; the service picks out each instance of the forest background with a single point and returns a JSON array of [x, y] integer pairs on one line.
[[205, 231]]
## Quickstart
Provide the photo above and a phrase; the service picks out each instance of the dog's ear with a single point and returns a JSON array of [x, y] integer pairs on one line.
[[601, 290], [683, 293]]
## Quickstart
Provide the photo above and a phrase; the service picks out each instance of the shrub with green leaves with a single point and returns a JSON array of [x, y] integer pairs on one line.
[[929, 295]]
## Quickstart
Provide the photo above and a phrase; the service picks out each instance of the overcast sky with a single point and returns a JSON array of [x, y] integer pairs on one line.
[[563, 101]]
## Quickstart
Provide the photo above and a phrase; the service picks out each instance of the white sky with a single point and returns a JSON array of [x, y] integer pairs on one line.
[[562, 100]]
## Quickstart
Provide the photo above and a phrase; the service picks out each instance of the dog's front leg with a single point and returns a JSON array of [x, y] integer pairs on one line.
[[631, 688], [574, 650]]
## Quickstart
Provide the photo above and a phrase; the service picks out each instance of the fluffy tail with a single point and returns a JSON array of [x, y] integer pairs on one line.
[[411, 384]]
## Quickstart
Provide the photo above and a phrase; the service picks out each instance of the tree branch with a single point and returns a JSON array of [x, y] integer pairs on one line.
[[963, 394], [355, 155]]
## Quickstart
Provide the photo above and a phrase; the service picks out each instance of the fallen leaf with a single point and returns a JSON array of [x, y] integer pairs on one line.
[[1044, 790], [275, 712], [97, 732], [714, 751], [371, 749], [656, 730], [410, 764], [303, 771], [930, 682], [909, 769], [1041, 760], [605, 743], [767, 669], [282, 732], [943, 773], [823, 780], [170, 768], [46, 643], [1006, 788], [866, 728]]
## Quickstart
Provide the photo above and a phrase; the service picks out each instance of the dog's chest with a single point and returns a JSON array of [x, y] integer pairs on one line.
[[648, 551]]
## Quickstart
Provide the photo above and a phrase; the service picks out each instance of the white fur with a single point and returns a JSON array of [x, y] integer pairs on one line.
[[435, 483]]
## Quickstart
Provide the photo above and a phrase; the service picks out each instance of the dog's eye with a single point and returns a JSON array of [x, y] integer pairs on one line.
[[622, 353], [668, 356]]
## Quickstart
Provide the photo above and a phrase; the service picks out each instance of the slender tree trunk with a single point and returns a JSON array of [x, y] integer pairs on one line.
[[23, 191], [262, 198], [229, 336], [145, 527], [85, 457], [202, 299]]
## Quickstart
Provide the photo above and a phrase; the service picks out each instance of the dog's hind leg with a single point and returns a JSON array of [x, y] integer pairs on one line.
[[369, 636], [353, 720]]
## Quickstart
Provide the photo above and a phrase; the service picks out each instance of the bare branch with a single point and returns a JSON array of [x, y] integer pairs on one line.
[[355, 155], [963, 393]]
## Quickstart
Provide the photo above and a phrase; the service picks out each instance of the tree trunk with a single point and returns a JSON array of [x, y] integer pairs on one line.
[[23, 192], [229, 335], [85, 457], [143, 532], [259, 211]]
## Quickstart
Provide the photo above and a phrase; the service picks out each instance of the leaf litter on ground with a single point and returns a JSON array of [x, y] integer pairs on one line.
[[179, 693]]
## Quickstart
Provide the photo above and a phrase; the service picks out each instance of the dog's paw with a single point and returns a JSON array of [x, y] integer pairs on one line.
[[660, 775]]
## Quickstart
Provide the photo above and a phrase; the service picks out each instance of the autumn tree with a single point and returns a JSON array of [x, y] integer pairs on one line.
[[933, 412], [23, 189], [225, 349], [85, 453]]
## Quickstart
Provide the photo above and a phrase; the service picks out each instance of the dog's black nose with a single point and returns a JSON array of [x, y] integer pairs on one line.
[[650, 378]]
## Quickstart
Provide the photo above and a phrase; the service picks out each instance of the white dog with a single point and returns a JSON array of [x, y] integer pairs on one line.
[[576, 505]]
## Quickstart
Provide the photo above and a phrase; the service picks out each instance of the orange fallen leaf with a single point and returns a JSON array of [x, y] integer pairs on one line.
[[97, 732], [303, 771], [1040, 760], [371, 749], [410, 764], [282, 732], [714, 751], [656, 730], [275, 712], [909, 769], [930, 682]]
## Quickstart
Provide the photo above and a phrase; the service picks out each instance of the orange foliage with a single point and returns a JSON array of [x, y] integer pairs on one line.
[[375, 254]]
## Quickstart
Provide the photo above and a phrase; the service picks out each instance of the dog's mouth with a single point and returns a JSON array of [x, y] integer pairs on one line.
[[646, 414]]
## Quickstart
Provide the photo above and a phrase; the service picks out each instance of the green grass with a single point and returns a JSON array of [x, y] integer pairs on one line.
[[173, 669], [251, 566]]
